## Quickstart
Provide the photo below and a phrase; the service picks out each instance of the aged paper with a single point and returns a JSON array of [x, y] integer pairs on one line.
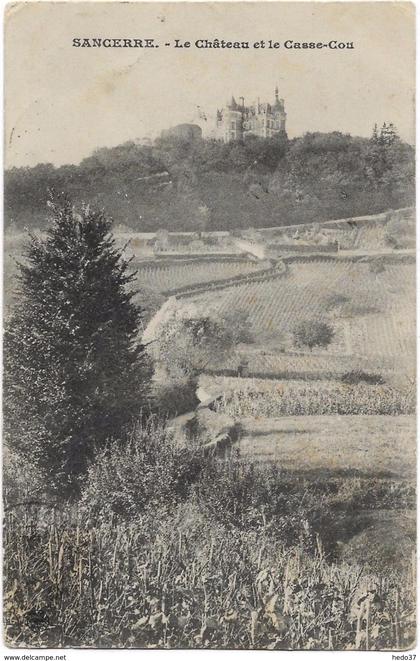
[[209, 325]]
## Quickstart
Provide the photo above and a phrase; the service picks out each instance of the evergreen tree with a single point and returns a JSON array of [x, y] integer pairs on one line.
[[75, 371]]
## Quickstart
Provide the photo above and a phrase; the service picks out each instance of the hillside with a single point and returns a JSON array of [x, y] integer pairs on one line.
[[180, 184], [372, 313]]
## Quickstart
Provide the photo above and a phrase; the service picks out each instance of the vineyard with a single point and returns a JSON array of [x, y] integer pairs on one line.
[[163, 277], [377, 320]]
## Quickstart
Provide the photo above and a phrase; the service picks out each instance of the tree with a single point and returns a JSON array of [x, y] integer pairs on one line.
[[75, 370], [313, 333], [187, 345]]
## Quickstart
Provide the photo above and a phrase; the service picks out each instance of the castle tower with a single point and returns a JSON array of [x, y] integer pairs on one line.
[[229, 121], [236, 121]]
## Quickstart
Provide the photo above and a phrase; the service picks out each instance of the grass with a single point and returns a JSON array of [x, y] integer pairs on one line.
[[171, 548], [182, 582], [374, 445]]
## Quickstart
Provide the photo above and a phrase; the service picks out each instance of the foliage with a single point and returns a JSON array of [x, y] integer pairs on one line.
[[189, 341], [376, 266], [239, 321], [313, 333], [166, 549], [147, 470], [400, 233], [75, 371], [358, 376], [184, 581], [175, 396], [353, 309], [334, 301], [178, 184]]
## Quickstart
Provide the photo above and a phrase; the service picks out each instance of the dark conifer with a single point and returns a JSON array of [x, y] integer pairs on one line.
[[75, 371]]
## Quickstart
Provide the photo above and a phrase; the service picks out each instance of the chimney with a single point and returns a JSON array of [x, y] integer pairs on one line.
[[242, 100]]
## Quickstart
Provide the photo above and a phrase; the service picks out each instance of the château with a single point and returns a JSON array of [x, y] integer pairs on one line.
[[236, 120]]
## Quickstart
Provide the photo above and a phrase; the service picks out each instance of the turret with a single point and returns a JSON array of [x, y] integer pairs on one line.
[[232, 105], [279, 103]]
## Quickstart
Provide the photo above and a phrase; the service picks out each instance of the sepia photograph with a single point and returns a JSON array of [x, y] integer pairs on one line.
[[209, 326]]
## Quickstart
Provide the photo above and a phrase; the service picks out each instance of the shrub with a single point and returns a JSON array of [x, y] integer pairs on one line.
[[400, 233], [353, 309], [358, 376], [175, 397], [376, 266], [335, 301], [248, 496], [313, 333], [146, 470], [23, 483]]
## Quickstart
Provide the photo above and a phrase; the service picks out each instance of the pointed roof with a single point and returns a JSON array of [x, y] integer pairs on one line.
[[232, 105], [276, 94]]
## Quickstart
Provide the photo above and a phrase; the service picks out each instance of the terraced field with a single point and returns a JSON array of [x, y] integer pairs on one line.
[[379, 322], [302, 365], [374, 445], [294, 398], [162, 277], [369, 237]]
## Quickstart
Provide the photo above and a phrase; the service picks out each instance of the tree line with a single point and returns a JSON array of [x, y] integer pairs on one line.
[[179, 184]]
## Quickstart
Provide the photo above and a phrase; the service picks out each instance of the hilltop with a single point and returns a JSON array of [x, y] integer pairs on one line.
[[183, 184]]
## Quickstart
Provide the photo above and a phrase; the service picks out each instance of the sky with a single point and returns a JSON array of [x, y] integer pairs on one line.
[[64, 102]]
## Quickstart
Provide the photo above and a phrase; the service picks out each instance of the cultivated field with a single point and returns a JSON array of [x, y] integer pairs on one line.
[[161, 277], [271, 399], [366, 445], [302, 538], [271, 364], [376, 319]]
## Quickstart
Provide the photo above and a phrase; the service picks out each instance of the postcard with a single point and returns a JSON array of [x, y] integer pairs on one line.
[[209, 326]]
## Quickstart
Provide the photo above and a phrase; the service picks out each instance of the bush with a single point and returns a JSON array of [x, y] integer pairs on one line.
[[358, 376], [313, 333], [146, 470], [249, 497], [352, 309], [400, 233], [175, 397], [376, 266], [335, 301]]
